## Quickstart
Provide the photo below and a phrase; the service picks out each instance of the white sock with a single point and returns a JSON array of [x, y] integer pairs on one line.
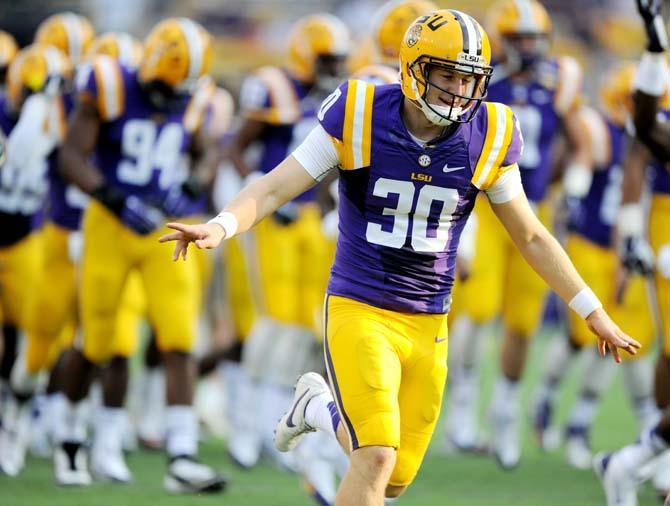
[[151, 419], [505, 400], [70, 422], [474, 345], [181, 431], [459, 333], [55, 406], [638, 377], [23, 383], [319, 413], [109, 425], [556, 362]]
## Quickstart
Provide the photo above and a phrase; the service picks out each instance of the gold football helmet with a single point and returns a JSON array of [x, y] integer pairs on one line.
[[391, 23], [8, 49], [317, 50], [454, 42], [522, 29], [69, 32], [36, 68], [121, 46], [177, 52]]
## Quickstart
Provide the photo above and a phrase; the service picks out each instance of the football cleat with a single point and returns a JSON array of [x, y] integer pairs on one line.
[[578, 448], [292, 427], [505, 443], [186, 475], [244, 449], [109, 465], [619, 483], [70, 465], [661, 479]]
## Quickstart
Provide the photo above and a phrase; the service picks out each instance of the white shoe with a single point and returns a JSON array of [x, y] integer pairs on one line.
[[109, 465], [505, 442], [187, 475], [292, 427], [244, 449], [70, 465], [661, 478], [620, 483], [578, 450]]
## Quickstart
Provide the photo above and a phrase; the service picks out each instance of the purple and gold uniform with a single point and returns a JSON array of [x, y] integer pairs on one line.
[[139, 150], [659, 238], [500, 278], [402, 208], [288, 284], [53, 311], [591, 245], [22, 193]]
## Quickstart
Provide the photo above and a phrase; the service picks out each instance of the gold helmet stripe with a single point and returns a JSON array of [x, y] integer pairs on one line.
[[472, 39], [526, 19], [195, 45], [73, 31], [53, 60]]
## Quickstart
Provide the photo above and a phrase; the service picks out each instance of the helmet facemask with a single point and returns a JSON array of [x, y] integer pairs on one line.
[[524, 50], [460, 108], [330, 70]]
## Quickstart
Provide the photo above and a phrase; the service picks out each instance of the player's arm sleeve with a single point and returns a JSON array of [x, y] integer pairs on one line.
[[496, 171], [101, 84], [317, 154], [346, 116], [568, 96], [269, 96]]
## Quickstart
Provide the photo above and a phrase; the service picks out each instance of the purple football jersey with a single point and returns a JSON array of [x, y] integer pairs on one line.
[[401, 216], [597, 212], [533, 103], [280, 138], [141, 149]]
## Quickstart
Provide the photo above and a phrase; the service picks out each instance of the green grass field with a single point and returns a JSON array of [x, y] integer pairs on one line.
[[541, 480]]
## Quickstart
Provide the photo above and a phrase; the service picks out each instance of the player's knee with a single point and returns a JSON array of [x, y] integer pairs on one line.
[[393, 491], [375, 460]]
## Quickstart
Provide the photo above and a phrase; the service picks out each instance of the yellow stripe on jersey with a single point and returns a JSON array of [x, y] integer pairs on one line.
[[284, 102], [109, 82], [599, 136], [498, 137], [357, 129], [197, 106], [568, 89]]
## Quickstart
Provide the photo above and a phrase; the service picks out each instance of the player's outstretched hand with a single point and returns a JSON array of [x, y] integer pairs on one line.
[[610, 336], [204, 235]]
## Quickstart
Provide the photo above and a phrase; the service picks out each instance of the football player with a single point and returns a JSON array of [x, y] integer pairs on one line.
[[621, 471], [543, 93], [590, 245], [34, 80], [279, 108], [138, 124], [401, 216]]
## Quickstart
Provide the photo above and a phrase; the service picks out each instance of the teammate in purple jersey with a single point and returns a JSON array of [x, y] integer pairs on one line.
[[544, 94], [412, 158], [619, 471], [138, 125]]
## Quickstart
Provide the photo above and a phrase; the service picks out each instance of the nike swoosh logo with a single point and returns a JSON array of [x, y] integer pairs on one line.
[[438, 340], [289, 421], [447, 169]]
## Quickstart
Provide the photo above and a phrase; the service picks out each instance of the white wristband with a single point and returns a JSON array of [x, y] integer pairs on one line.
[[630, 222], [228, 222], [577, 180], [652, 74], [585, 302]]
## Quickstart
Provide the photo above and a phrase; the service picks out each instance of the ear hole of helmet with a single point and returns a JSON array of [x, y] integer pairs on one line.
[[460, 108]]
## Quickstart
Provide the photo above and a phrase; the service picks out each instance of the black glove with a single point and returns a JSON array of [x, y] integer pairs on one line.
[[657, 36], [139, 216], [637, 256], [179, 200]]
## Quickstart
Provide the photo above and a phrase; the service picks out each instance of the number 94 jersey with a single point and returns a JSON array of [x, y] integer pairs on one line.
[[403, 205], [141, 148]]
